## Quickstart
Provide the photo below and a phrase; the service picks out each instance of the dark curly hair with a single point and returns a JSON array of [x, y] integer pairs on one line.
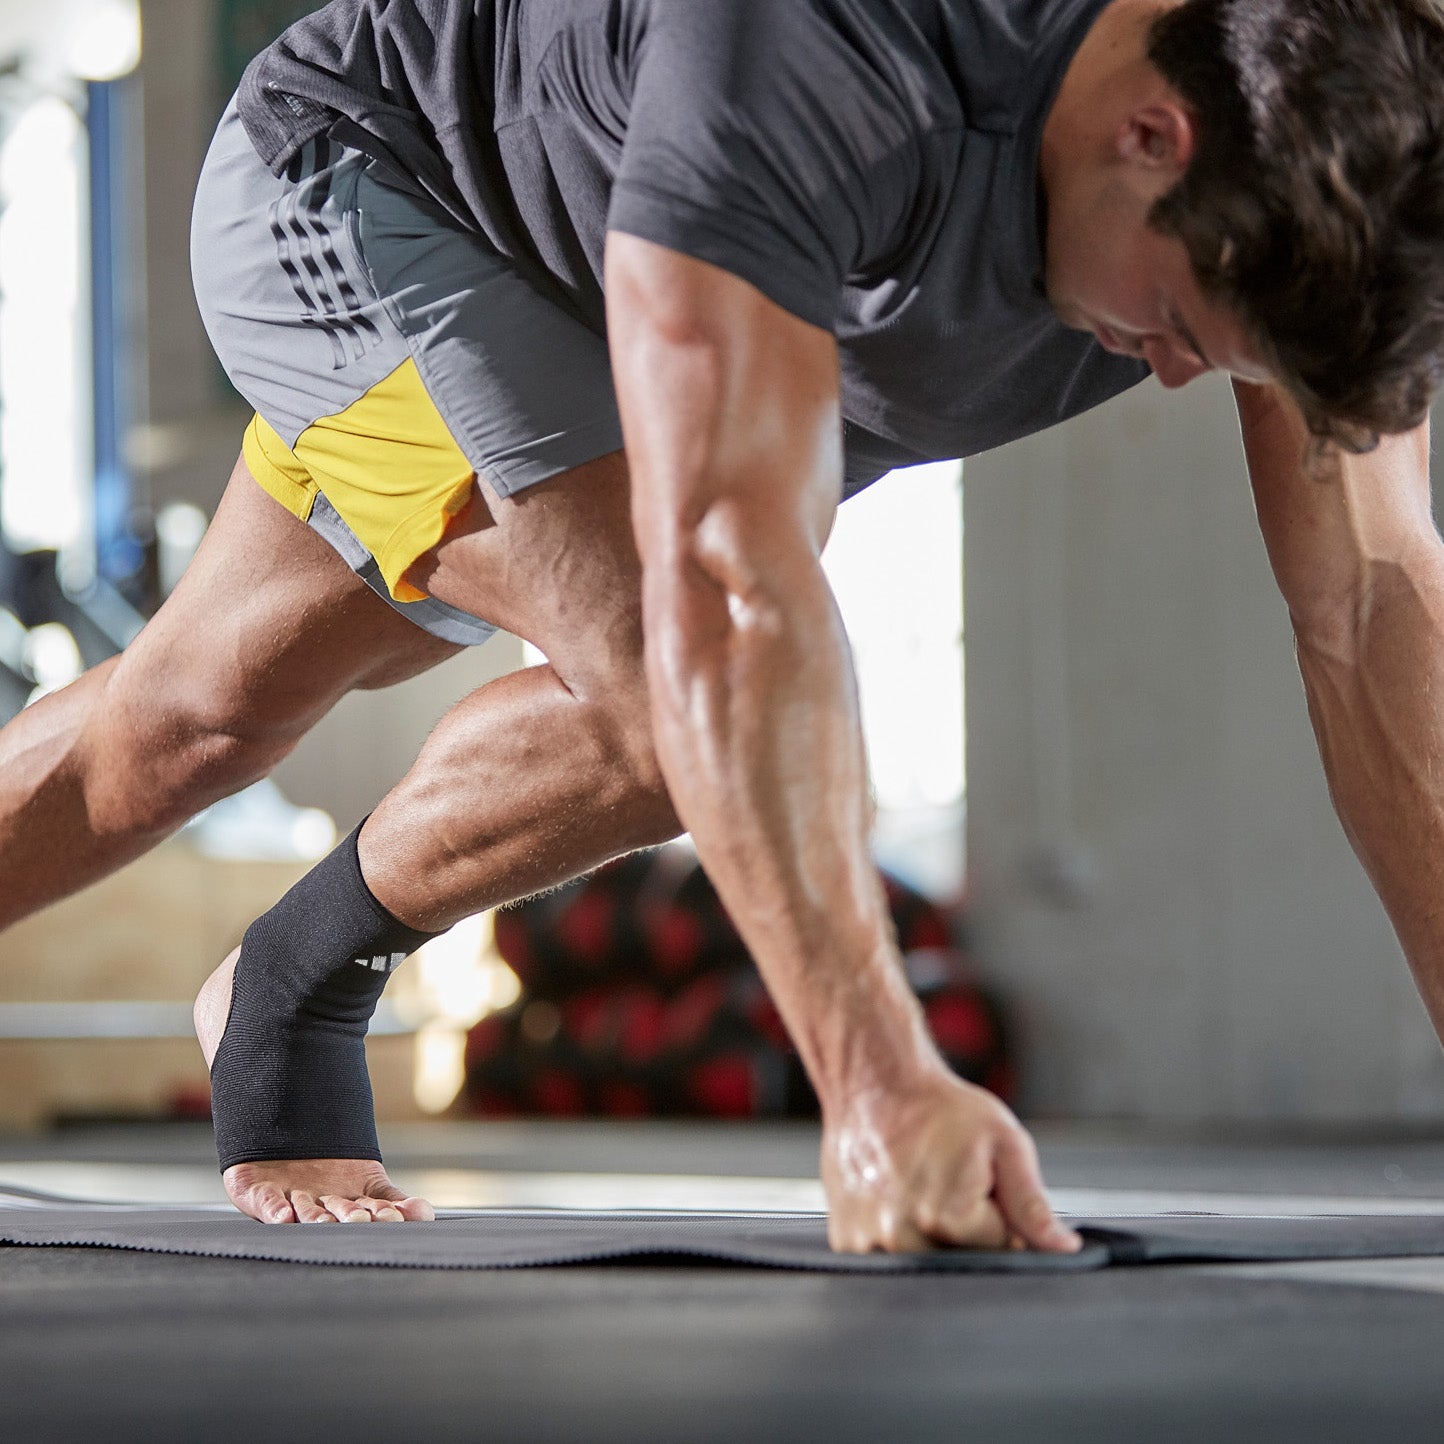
[[1314, 204]]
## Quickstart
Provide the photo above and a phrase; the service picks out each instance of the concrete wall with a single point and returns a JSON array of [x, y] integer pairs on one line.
[[1160, 884]]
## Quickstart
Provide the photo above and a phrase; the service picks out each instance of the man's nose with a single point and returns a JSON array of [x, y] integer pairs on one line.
[[1172, 364]]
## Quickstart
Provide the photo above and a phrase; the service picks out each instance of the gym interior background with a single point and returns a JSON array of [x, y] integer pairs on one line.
[[1146, 880]]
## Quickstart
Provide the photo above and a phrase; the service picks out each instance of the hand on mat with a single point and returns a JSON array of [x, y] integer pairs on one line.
[[939, 1163], [322, 1190]]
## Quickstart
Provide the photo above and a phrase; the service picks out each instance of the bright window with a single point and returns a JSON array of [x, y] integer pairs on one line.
[[45, 430], [895, 561]]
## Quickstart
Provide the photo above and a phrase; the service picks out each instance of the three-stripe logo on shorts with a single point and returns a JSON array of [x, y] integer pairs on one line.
[[307, 253]]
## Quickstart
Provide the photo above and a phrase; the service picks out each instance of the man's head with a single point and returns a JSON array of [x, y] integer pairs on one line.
[[1313, 206], [1273, 170]]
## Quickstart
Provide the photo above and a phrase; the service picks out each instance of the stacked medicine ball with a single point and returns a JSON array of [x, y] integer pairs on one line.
[[639, 999]]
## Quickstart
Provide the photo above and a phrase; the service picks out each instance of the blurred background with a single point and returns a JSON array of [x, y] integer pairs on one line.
[[1115, 874]]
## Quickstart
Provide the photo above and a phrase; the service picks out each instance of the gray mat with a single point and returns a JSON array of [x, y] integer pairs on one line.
[[508, 1239]]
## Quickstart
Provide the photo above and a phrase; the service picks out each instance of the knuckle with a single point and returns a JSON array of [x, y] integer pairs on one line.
[[1010, 1129], [979, 1157]]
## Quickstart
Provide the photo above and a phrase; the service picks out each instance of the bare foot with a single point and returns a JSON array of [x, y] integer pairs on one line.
[[309, 1190]]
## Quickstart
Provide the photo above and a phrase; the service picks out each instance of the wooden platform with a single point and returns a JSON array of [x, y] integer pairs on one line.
[[150, 934]]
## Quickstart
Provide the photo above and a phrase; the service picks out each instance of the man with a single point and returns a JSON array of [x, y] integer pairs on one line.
[[821, 238]]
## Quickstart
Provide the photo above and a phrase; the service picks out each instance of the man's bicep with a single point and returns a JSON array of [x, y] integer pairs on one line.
[[726, 399]]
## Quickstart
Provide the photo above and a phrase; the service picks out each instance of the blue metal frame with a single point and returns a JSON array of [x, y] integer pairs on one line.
[[119, 553]]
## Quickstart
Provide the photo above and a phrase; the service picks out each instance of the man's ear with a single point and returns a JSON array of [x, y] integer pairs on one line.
[[1159, 136]]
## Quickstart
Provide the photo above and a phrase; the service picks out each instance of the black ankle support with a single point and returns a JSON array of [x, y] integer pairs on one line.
[[289, 1078]]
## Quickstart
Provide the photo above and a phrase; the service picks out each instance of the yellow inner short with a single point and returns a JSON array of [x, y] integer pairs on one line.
[[387, 463]]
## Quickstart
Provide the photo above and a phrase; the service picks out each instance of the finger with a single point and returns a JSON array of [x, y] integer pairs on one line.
[[851, 1229], [842, 1236], [846, 1223], [382, 1210], [896, 1233], [956, 1207], [853, 1237], [345, 1210], [971, 1225], [309, 1209], [1019, 1193]]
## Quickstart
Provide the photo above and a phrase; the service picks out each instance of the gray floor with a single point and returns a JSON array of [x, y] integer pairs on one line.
[[101, 1343]]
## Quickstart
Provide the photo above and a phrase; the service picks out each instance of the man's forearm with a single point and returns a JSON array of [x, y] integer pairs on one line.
[[758, 732], [1376, 699], [757, 728], [731, 412], [1361, 566]]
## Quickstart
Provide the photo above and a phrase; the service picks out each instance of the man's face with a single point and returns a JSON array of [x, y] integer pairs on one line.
[[1134, 289]]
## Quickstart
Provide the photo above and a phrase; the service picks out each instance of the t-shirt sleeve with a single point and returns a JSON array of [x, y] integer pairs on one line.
[[768, 139]]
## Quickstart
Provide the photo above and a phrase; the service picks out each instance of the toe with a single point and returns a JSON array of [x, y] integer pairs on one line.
[[413, 1210], [345, 1210], [262, 1201], [310, 1209], [269, 1204], [383, 1210]]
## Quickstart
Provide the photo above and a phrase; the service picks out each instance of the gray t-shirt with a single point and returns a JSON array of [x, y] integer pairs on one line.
[[870, 165]]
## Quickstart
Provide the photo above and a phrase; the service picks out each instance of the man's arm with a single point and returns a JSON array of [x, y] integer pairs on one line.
[[1361, 566], [731, 415]]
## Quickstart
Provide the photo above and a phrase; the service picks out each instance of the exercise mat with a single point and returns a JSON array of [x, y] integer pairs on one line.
[[505, 1239]]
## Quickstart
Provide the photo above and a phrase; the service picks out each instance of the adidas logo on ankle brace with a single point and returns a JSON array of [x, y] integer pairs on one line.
[[381, 964]]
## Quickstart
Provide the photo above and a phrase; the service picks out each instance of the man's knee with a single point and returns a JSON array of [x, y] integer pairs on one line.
[[625, 721], [656, 818], [215, 758], [154, 758]]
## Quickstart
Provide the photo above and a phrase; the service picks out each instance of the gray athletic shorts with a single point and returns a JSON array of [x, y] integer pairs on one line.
[[390, 357]]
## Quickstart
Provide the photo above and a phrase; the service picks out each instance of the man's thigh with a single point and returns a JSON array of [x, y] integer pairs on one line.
[[267, 629], [556, 564]]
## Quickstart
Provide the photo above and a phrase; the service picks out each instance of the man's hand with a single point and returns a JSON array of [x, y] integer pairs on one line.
[[939, 1163]]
